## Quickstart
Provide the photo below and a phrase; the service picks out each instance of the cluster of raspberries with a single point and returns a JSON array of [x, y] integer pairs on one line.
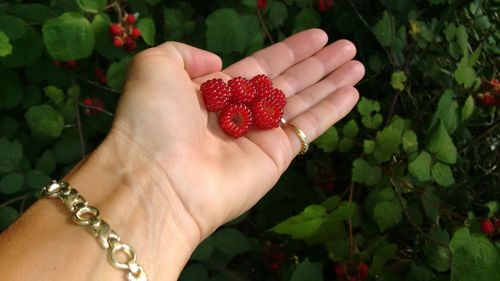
[[125, 35], [242, 103]]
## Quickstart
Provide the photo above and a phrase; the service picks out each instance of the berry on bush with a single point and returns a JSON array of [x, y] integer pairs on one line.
[[135, 33], [130, 19], [129, 44], [115, 29], [487, 227], [488, 99], [363, 271], [117, 42], [261, 4], [340, 271], [323, 5]]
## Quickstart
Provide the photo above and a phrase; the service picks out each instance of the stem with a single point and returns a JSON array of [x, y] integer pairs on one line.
[[97, 108], [8, 202], [79, 126], [264, 26]]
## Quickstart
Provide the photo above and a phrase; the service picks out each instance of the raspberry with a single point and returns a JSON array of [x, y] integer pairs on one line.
[[235, 119], [278, 97], [261, 81], [130, 19], [135, 33], [363, 271], [215, 93], [71, 64], [129, 44], [92, 106], [324, 5], [115, 29], [488, 99], [487, 227], [261, 4], [340, 271], [101, 76], [117, 42], [241, 90], [266, 113], [275, 266]]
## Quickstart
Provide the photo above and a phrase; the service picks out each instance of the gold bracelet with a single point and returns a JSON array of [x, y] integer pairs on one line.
[[86, 215]]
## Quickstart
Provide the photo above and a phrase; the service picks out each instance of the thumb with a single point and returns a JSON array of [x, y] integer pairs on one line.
[[196, 62]]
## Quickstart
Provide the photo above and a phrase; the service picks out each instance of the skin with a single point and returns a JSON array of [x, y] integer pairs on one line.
[[166, 176]]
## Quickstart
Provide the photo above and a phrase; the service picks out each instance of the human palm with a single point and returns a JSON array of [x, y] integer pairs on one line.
[[215, 176]]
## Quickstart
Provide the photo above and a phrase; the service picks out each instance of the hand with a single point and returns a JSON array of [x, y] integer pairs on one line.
[[216, 177]]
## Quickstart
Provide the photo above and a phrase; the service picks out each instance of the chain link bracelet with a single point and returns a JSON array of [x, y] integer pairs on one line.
[[86, 215]]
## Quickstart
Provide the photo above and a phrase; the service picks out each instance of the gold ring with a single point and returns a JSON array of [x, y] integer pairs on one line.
[[303, 138]]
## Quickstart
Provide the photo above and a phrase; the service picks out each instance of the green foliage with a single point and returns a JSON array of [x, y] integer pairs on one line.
[[387, 186]]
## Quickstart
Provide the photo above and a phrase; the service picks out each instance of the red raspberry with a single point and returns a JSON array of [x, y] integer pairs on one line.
[[487, 227], [241, 90], [117, 42], [135, 33], [129, 44], [488, 99], [323, 5], [275, 266], [101, 76], [261, 4], [278, 97], [266, 114], [340, 271], [215, 93], [92, 106], [115, 29], [130, 19], [363, 271], [235, 119], [71, 64], [495, 83]]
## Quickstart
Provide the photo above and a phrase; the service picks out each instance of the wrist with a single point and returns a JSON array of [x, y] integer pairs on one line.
[[140, 204]]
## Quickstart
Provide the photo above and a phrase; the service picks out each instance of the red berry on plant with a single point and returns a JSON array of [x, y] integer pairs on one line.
[[129, 44], [275, 266], [487, 227], [340, 270], [71, 64], [115, 29], [135, 33], [261, 4], [117, 42], [130, 19], [363, 271], [241, 90], [235, 119], [215, 93], [101, 76], [323, 5], [488, 99], [266, 114]]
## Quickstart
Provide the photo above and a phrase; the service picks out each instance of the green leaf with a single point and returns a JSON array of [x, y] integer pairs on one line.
[[493, 208], [442, 174], [307, 271], [116, 73], [26, 50], [67, 150], [13, 27], [328, 141], [36, 179], [46, 163], [382, 256], [11, 154], [345, 145], [398, 80], [303, 3], [224, 32], [387, 214], [474, 258], [420, 273], [462, 37], [368, 146], [465, 74], [278, 13], [44, 121], [467, 109], [331, 202], [11, 89], [369, 109], [204, 250], [7, 216], [431, 203], [303, 225], [307, 18], [385, 29], [351, 129], [231, 242], [438, 255], [441, 144], [36, 13], [195, 271], [11, 183], [92, 6], [68, 37], [363, 172], [447, 112], [5, 46], [55, 94], [450, 31], [420, 167], [148, 30], [388, 141], [410, 143]]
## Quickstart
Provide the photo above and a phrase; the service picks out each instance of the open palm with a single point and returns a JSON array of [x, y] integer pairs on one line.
[[214, 176]]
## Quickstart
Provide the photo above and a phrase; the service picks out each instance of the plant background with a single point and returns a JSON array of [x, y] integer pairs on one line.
[[402, 184]]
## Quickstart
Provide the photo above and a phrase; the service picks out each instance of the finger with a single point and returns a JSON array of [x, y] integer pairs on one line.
[[314, 68], [280, 56], [322, 116], [196, 62], [347, 75]]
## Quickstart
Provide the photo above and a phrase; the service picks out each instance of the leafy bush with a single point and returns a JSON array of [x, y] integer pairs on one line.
[[405, 188]]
